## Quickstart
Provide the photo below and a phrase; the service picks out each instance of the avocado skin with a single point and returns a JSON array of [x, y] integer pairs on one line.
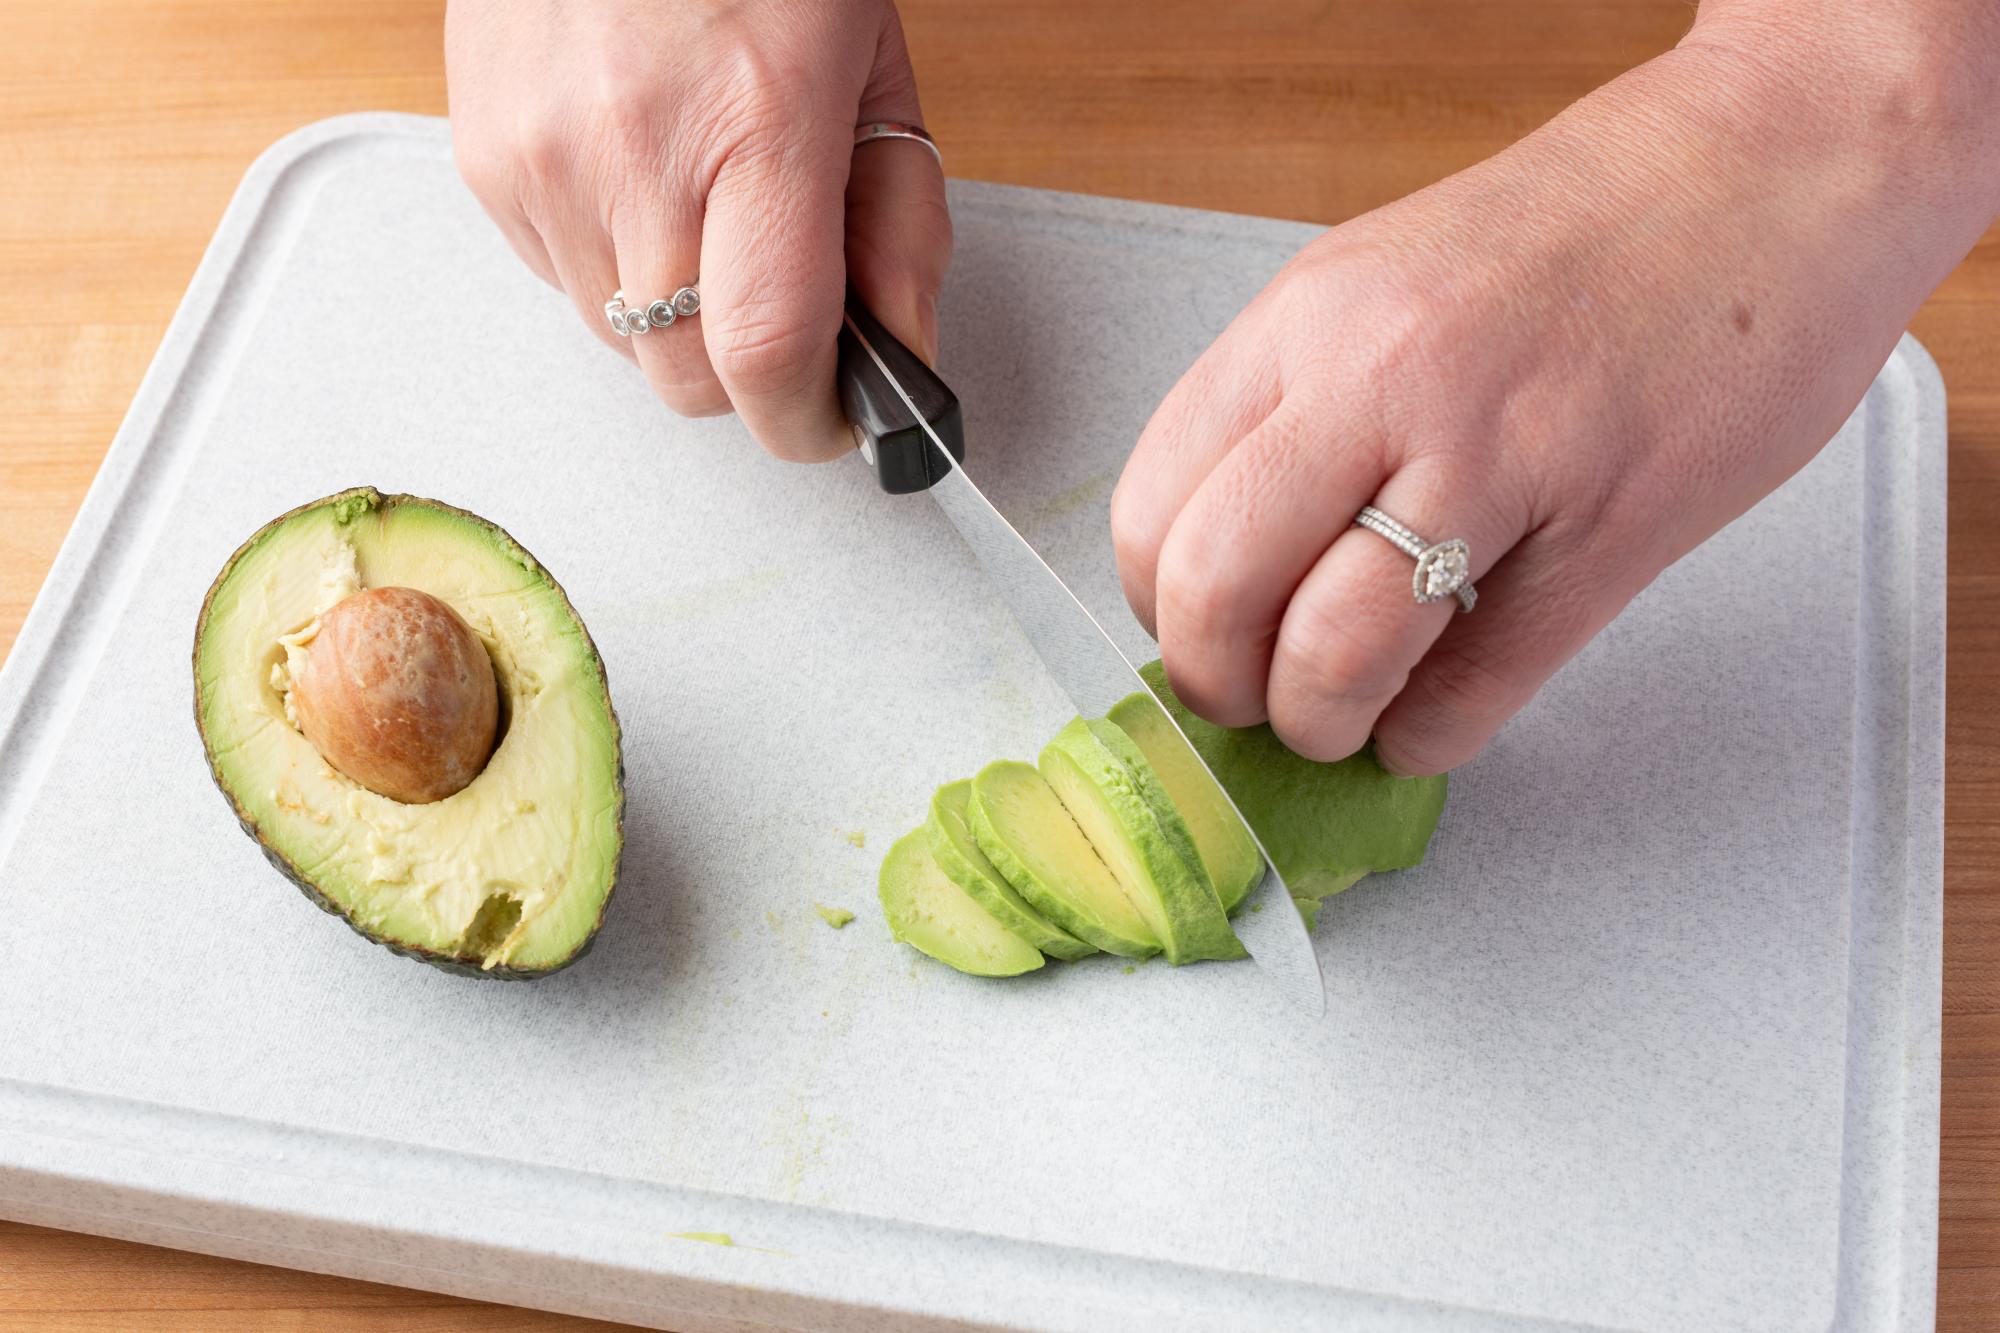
[[1323, 824], [366, 499]]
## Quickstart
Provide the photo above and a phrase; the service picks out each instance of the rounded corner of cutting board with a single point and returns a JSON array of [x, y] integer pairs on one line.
[[1914, 362], [295, 146]]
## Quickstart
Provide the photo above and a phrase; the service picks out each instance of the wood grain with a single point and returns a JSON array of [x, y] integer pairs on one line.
[[124, 127]]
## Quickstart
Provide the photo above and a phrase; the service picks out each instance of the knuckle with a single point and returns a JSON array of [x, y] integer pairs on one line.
[[1208, 682], [764, 349], [910, 233], [1457, 687], [1206, 655], [1415, 742], [1328, 663], [625, 101], [688, 395], [1136, 532], [1317, 736], [759, 91], [544, 148], [1196, 594], [488, 174]]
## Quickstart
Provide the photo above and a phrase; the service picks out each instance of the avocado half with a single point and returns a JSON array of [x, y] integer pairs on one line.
[[507, 878]]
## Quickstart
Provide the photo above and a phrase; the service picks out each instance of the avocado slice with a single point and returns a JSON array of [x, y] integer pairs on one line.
[[1325, 825], [959, 856], [926, 910], [1030, 838], [507, 877], [1222, 843], [1146, 846]]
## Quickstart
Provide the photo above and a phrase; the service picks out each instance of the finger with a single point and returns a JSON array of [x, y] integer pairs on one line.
[[1242, 544], [898, 225], [1353, 629], [659, 252], [773, 275], [586, 267], [527, 244], [1223, 398], [1534, 614], [492, 186], [899, 238]]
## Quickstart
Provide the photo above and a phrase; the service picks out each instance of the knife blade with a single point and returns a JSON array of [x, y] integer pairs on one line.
[[909, 428]]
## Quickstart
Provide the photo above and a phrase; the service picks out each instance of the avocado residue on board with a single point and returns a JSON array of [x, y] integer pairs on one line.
[[833, 916], [726, 1241]]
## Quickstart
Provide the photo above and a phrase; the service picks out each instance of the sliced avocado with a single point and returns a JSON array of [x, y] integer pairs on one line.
[[1030, 838], [509, 876], [1222, 843], [928, 911], [1325, 825], [1139, 770], [1155, 867], [953, 846]]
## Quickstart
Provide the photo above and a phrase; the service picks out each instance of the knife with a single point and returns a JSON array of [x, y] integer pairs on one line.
[[910, 430]]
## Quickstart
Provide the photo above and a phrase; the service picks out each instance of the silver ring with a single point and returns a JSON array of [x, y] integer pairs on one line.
[[1444, 569], [896, 129], [654, 314]]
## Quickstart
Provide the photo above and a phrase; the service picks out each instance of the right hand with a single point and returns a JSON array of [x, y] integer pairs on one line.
[[636, 144]]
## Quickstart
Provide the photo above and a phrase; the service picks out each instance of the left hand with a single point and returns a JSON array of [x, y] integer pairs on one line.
[[1583, 356]]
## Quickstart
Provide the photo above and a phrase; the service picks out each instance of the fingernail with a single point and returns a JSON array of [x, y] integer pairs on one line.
[[927, 325], [1395, 767]]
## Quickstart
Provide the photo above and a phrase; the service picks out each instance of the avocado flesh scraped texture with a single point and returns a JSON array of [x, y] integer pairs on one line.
[[508, 877], [1157, 816]]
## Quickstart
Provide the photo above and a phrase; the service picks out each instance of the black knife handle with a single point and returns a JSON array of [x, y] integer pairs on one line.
[[904, 458]]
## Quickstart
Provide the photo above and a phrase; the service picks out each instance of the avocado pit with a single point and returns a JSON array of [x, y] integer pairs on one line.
[[398, 693]]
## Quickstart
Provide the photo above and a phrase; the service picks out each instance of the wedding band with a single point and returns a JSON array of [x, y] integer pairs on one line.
[[896, 129], [654, 314], [1444, 569]]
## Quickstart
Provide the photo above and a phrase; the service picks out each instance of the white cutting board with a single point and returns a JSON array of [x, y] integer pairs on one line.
[[1650, 1042]]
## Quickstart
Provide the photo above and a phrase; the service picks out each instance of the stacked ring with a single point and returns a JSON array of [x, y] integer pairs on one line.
[[1444, 569], [654, 314], [630, 322], [898, 129]]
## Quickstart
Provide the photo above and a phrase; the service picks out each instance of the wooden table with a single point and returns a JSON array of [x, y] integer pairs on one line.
[[125, 126]]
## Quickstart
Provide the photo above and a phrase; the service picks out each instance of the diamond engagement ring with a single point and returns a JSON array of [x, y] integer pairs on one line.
[[896, 129], [1444, 569], [654, 315]]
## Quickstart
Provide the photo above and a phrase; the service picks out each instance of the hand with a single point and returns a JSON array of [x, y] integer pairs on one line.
[[1583, 356], [637, 145]]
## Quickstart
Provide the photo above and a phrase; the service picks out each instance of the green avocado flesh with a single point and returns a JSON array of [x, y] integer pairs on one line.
[[1028, 835], [508, 877], [1326, 825], [1222, 843], [1121, 841], [1154, 864], [926, 910], [952, 844]]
